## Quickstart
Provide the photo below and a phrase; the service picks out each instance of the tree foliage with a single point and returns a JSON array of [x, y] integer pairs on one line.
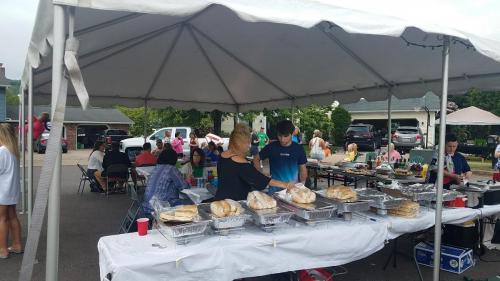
[[315, 117], [12, 92], [341, 120]]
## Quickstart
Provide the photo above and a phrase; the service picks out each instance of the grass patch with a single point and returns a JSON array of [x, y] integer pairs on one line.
[[478, 165]]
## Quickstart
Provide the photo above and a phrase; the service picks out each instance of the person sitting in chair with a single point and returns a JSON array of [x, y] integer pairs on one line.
[[165, 182], [116, 163], [146, 158]]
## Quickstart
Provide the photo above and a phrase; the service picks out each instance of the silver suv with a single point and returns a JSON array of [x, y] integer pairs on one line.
[[407, 137]]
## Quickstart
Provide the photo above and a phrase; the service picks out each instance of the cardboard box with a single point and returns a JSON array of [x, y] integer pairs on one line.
[[453, 259]]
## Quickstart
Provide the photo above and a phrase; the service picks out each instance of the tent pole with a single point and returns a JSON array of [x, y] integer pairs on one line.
[[145, 119], [51, 271], [23, 153], [389, 125], [442, 133], [30, 145]]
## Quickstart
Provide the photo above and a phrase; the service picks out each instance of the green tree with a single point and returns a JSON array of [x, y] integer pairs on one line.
[[12, 92], [341, 120], [314, 117]]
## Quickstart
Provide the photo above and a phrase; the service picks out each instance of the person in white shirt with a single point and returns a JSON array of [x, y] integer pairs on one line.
[[94, 168], [168, 137], [9, 192]]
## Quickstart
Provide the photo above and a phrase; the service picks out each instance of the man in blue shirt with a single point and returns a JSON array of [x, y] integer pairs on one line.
[[456, 168], [287, 159]]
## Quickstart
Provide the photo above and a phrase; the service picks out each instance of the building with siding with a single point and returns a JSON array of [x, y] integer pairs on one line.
[[4, 84]]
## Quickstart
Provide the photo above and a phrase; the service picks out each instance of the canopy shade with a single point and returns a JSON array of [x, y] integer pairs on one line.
[[471, 116], [240, 55]]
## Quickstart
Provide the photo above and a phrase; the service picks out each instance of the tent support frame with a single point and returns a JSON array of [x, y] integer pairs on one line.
[[30, 145], [164, 61], [240, 61], [442, 134], [211, 64]]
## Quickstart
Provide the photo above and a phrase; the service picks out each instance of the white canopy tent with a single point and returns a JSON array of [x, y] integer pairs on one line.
[[239, 55], [471, 116]]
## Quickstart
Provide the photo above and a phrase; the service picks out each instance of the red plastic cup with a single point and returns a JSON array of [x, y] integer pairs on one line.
[[142, 226]]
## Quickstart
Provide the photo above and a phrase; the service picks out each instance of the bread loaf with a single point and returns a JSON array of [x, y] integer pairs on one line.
[[224, 208], [302, 195], [342, 193], [407, 209], [258, 201], [183, 213]]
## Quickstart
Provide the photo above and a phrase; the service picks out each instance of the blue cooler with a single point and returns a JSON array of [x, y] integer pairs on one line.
[[453, 259]]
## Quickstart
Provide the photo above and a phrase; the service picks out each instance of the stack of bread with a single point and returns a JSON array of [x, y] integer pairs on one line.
[[260, 201], [407, 209], [225, 208], [402, 172], [182, 213], [341, 193], [356, 171]]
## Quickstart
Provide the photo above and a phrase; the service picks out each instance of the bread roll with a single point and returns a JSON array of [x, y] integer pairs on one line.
[[258, 201], [407, 209], [235, 207], [189, 208], [183, 213], [342, 193], [302, 195]]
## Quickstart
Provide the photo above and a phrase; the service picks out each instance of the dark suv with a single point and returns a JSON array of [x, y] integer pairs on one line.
[[364, 135]]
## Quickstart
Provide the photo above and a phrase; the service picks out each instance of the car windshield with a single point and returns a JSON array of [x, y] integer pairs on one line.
[[357, 129], [116, 132], [408, 131]]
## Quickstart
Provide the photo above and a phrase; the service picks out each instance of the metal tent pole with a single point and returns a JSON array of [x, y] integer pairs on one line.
[[442, 133], [145, 120], [389, 125], [51, 270], [23, 153], [30, 145]]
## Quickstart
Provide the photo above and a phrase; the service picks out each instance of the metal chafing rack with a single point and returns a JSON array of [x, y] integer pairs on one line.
[[309, 213], [180, 232], [225, 225], [269, 219], [344, 208], [379, 200]]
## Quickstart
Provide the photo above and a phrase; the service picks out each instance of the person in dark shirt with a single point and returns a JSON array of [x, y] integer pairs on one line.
[[254, 148], [287, 159], [115, 157], [237, 176], [456, 168]]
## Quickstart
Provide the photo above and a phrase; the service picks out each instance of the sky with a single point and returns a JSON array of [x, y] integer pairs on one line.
[[16, 23]]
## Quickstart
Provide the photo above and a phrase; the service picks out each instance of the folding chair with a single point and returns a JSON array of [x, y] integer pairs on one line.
[[83, 178], [117, 174], [128, 223]]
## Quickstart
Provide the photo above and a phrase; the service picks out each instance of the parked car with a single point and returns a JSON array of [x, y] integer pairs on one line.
[[364, 135], [406, 138], [114, 135], [41, 146], [132, 145]]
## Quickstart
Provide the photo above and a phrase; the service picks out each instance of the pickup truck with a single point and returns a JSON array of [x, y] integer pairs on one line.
[[131, 145], [113, 135]]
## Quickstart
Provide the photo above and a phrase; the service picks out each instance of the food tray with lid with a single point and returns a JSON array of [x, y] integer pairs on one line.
[[228, 222], [344, 207], [274, 216], [318, 210]]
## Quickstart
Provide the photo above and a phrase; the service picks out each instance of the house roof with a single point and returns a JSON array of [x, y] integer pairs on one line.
[[414, 104], [78, 115]]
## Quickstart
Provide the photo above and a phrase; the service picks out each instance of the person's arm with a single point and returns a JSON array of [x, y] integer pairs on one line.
[[256, 161], [322, 144], [286, 185], [497, 151], [466, 169], [302, 173]]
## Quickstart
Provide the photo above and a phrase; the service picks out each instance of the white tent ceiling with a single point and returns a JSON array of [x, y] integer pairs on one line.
[[250, 54], [471, 116]]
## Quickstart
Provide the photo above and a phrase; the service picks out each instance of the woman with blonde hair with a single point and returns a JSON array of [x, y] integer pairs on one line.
[[317, 146], [9, 192], [237, 176]]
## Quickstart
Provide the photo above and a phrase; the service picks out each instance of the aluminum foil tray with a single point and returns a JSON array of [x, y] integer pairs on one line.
[[274, 216], [322, 209], [226, 222], [379, 199], [185, 229], [344, 207], [449, 195]]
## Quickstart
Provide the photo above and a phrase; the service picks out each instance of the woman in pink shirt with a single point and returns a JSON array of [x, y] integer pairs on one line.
[[394, 154], [177, 144]]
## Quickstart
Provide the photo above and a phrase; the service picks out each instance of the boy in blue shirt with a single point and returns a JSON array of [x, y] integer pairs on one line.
[[287, 159]]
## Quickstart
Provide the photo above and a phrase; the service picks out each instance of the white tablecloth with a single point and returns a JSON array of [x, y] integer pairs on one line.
[[145, 171], [251, 253]]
